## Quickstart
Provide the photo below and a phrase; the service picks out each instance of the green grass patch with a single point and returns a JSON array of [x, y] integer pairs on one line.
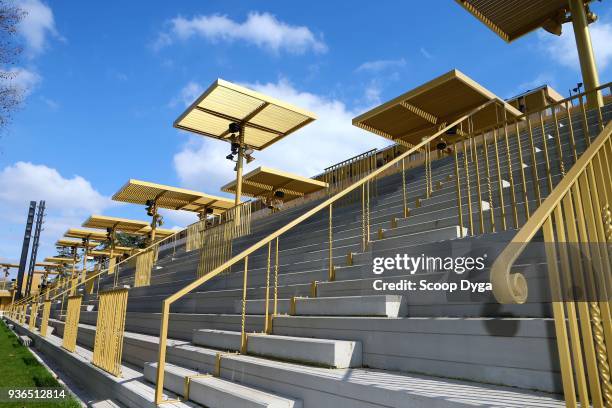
[[20, 369]]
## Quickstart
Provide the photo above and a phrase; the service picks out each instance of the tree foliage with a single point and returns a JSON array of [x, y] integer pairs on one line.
[[11, 94]]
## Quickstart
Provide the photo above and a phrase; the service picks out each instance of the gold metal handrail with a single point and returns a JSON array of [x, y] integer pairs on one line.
[[575, 214], [363, 183], [512, 287]]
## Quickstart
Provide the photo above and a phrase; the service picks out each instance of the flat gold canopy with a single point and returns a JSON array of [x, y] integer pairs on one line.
[[511, 19], [46, 264], [264, 180], [119, 224], [423, 110], [116, 251], [265, 119], [9, 265], [535, 99], [71, 243], [174, 198], [97, 235], [59, 260]]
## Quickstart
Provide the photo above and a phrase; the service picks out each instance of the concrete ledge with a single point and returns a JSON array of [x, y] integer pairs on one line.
[[216, 392], [373, 305], [320, 352], [219, 339]]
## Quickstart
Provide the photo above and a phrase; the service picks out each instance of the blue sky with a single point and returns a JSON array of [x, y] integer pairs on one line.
[[106, 80]]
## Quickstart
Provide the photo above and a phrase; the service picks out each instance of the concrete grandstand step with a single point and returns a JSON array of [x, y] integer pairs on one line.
[[213, 392], [318, 352], [372, 305]]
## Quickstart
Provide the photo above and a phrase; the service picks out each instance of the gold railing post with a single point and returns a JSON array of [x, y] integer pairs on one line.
[[267, 320], [161, 357], [276, 279], [44, 324], [478, 189], [330, 267], [458, 184], [467, 186], [510, 173], [500, 182], [243, 336], [110, 328], [546, 157], [404, 193], [363, 220], [534, 163]]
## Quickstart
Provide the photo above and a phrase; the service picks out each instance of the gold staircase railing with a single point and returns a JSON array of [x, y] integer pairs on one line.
[[270, 246], [577, 227]]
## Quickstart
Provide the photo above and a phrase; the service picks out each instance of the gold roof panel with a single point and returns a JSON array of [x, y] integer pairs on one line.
[[71, 243], [420, 112], [9, 265], [265, 119], [511, 19], [174, 198], [98, 235], [264, 180], [119, 224], [535, 99], [59, 260]]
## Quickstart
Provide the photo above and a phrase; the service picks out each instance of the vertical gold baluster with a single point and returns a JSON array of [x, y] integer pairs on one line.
[[500, 183], [363, 219], [521, 163], [330, 267], [458, 189], [558, 137], [478, 188], [467, 186], [534, 163], [572, 138], [276, 278], [267, 321], [510, 172], [404, 193], [243, 336], [585, 123], [545, 149], [489, 186]]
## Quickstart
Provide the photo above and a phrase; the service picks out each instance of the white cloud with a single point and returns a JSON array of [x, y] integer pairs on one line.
[[37, 25], [187, 94], [201, 163], [263, 30], [380, 65], [24, 80], [68, 202], [425, 53], [563, 48]]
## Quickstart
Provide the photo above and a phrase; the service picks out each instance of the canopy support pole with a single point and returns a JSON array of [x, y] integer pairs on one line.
[[585, 52], [239, 165]]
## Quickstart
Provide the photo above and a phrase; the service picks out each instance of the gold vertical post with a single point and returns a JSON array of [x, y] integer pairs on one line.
[[534, 164], [521, 163], [161, 357], [239, 165], [467, 186], [478, 189], [44, 324], [276, 278], [500, 183], [243, 336], [510, 172], [585, 51], [267, 321], [330, 267], [489, 187], [545, 149], [458, 184], [570, 124], [558, 141], [404, 193], [363, 220]]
